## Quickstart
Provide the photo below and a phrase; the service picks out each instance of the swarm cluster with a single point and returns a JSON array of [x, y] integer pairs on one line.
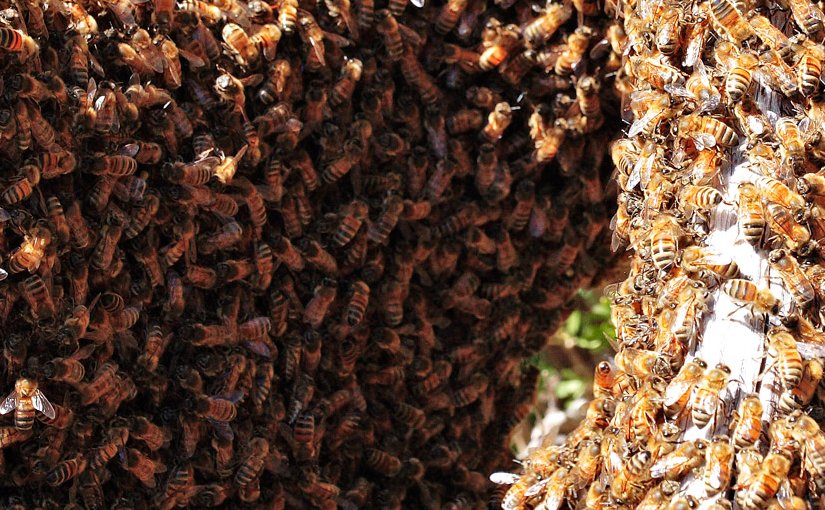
[[715, 85], [288, 255]]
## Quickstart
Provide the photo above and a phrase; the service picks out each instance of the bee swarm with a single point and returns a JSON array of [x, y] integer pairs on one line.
[[289, 255], [714, 400]]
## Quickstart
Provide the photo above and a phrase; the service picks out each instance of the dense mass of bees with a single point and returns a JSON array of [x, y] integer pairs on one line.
[[714, 84], [288, 255]]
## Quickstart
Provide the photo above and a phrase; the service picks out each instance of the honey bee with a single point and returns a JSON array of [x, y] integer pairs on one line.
[[16, 41], [748, 421], [800, 395], [679, 390], [684, 458], [37, 294], [539, 30], [782, 346], [66, 470], [659, 495], [239, 44], [751, 216], [698, 259], [740, 65], [642, 363], [732, 24], [24, 401], [718, 465], [782, 222], [794, 277], [707, 397], [747, 293], [31, 252], [707, 131], [448, 16], [252, 465], [665, 233], [765, 483], [497, 122], [807, 16]]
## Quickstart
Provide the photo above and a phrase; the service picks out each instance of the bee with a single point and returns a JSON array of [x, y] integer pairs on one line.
[[808, 70], [658, 496], [497, 122], [698, 259], [707, 397], [765, 483], [379, 231], [782, 346], [266, 40], [15, 41], [751, 216], [499, 48], [542, 28], [684, 458], [800, 395], [747, 293], [388, 28], [66, 470], [22, 186], [730, 22], [679, 390], [239, 44], [448, 16], [748, 421], [24, 401], [665, 233], [718, 465], [36, 293], [343, 89], [782, 222], [807, 16], [317, 307], [288, 15], [707, 131], [252, 465], [29, 255], [574, 51], [142, 466], [642, 363], [794, 277]]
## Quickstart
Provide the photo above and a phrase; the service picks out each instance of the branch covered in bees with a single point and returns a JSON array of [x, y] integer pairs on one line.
[[713, 400]]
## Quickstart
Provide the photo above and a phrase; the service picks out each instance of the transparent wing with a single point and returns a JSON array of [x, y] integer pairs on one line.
[[502, 478], [42, 404], [676, 390], [535, 488], [10, 404]]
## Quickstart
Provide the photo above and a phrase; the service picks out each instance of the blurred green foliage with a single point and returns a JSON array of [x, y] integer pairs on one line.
[[589, 329]]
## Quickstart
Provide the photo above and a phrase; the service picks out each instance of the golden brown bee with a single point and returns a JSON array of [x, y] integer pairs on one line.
[[498, 121], [697, 259], [239, 43], [542, 28], [142, 467], [732, 24], [751, 216], [808, 16], [679, 390], [680, 461], [782, 347], [24, 401], [765, 483], [707, 131], [803, 392], [718, 465], [252, 465], [707, 397], [794, 277], [29, 255], [760, 300], [748, 421]]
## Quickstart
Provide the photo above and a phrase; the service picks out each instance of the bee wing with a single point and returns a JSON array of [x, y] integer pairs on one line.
[[418, 3], [130, 149], [704, 140], [10, 404], [555, 496], [639, 124], [194, 60], [676, 390], [662, 466], [810, 351], [503, 478], [222, 429], [42, 404], [535, 488]]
